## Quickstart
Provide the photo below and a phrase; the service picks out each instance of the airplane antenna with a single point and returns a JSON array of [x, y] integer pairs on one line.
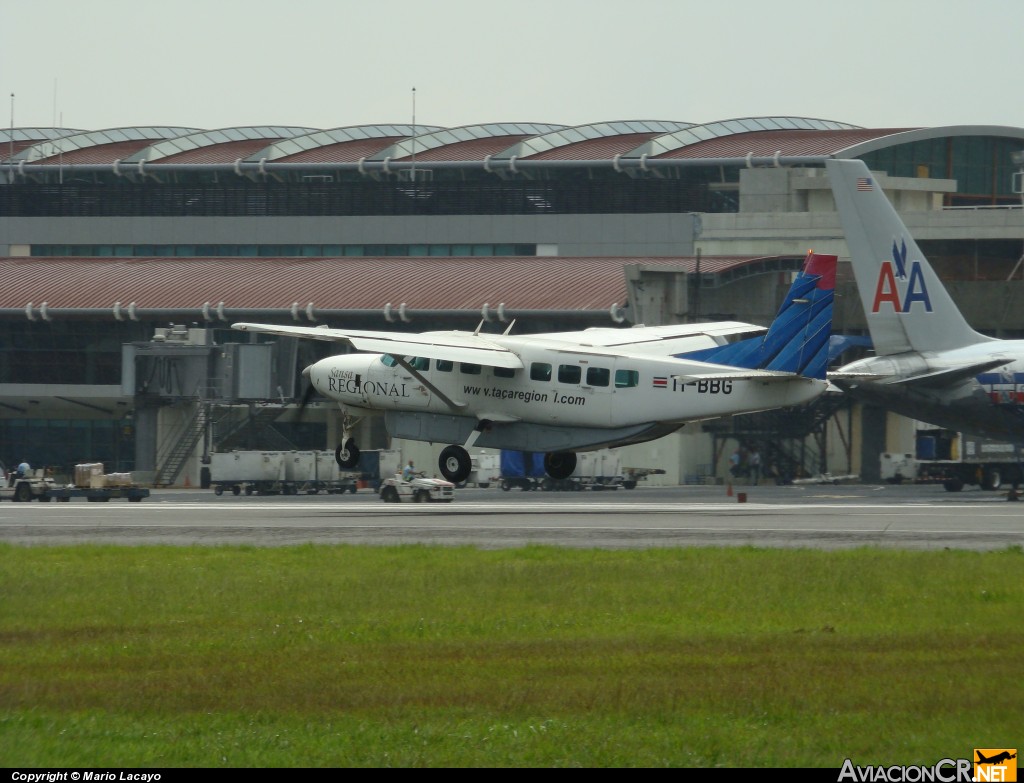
[[479, 326], [507, 331]]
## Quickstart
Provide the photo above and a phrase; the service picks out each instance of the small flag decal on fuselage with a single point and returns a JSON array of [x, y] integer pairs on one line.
[[864, 183], [661, 382]]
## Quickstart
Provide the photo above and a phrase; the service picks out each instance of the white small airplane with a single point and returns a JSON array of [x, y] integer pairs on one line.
[[564, 392], [929, 364]]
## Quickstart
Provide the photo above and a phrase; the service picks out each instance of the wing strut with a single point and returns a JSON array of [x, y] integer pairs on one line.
[[455, 406]]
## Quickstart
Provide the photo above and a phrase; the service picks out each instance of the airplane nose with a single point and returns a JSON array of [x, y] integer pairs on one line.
[[306, 370]]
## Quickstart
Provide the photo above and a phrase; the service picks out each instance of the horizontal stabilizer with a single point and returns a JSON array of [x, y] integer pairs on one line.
[[768, 376], [952, 375]]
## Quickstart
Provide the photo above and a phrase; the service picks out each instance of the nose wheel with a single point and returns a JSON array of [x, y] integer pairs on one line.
[[347, 455], [455, 464]]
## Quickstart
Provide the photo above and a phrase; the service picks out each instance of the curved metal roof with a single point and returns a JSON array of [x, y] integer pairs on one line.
[[65, 145], [567, 136], [780, 142], [446, 136], [494, 147], [326, 138], [697, 133], [921, 134], [178, 145]]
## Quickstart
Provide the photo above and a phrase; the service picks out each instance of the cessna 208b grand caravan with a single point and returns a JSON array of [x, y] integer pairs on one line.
[[564, 392], [929, 364]]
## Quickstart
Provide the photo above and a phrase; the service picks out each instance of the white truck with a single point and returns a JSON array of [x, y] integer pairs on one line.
[[955, 460]]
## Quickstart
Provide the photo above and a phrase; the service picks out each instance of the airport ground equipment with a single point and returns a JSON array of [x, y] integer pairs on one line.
[[35, 485], [279, 472], [956, 460], [90, 482], [419, 490]]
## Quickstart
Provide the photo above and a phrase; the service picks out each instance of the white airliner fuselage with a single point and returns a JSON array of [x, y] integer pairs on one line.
[[556, 385], [563, 392], [930, 365]]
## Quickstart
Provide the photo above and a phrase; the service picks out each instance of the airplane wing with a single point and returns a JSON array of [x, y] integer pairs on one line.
[[461, 347], [644, 336]]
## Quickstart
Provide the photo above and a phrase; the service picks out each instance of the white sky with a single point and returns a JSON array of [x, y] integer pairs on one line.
[[331, 63]]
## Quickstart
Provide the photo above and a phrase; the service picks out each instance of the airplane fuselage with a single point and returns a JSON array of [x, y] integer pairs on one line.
[[990, 404], [556, 386]]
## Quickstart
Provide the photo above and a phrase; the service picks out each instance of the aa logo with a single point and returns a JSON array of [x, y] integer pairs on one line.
[[887, 291], [995, 764]]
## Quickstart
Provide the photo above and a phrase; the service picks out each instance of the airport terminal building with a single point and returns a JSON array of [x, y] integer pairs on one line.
[[127, 253]]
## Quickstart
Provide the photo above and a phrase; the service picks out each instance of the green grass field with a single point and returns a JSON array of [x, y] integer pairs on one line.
[[420, 656]]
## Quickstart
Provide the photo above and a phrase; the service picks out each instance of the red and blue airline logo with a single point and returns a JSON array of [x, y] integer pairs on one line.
[[888, 290]]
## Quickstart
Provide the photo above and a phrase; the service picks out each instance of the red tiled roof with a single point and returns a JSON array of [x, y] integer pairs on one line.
[[788, 142], [604, 148], [472, 149], [226, 152], [343, 151], [352, 283], [101, 153]]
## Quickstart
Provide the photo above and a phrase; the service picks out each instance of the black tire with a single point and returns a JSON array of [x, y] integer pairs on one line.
[[237, 490], [23, 494], [953, 485], [484, 484], [347, 454], [992, 479], [506, 485], [352, 488], [455, 464], [389, 494], [560, 464], [629, 484], [421, 496], [218, 490], [248, 490]]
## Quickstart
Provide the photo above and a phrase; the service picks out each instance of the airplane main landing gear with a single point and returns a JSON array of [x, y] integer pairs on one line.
[[560, 464], [455, 464]]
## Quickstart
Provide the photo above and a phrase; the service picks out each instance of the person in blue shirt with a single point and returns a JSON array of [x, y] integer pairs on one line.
[[409, 473]]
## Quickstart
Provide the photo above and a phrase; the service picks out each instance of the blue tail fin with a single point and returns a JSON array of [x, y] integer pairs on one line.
[[797, 340]]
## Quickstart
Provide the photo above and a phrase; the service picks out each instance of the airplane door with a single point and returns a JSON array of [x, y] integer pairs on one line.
[[391, 385], [596, 386]]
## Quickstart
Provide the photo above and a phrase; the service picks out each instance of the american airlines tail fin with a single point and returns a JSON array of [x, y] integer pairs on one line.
[[906, 306], [797, 340]]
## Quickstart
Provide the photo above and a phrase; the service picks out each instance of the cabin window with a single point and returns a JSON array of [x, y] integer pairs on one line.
[[540, 371], [569, 373], [469, 369], [598, 376], [626, 379], [388, 360], [443, 365], [504, 372], [419, 363]]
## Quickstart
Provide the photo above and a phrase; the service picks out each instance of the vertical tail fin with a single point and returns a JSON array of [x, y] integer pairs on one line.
[[906, 306], [797, 340]]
